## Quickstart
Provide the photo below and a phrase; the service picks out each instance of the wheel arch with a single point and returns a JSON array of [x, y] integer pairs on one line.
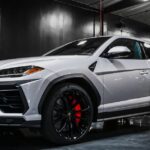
[[80, 80]]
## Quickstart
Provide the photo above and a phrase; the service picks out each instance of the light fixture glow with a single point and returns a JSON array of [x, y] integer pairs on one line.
[[55, 20], [81, 43]]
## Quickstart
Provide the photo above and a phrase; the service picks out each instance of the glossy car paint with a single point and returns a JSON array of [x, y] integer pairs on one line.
[[122, 84]]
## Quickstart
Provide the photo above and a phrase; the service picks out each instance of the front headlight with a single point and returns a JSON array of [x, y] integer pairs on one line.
[[19, 71]]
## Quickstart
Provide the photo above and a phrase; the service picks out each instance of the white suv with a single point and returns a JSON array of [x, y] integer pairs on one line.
[[70, 87]]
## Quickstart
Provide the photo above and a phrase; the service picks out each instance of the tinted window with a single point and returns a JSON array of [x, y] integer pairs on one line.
[[80, 47], [134, 46]]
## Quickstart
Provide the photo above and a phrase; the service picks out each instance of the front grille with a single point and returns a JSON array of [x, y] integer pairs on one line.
[[11, 100]]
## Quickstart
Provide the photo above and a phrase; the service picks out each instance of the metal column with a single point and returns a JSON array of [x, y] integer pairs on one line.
[[101, 14]]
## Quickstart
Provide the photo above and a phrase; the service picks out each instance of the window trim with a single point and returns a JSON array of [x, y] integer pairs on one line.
[[140, 43]]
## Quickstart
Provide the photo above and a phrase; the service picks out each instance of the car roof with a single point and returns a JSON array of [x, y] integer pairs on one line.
[[126, 37], [132, 38], [107, 36]]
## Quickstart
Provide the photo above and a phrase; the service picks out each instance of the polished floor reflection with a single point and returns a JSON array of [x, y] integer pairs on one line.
[[123, 137]]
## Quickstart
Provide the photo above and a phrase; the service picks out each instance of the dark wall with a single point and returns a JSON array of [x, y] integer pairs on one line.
[[31, 28]]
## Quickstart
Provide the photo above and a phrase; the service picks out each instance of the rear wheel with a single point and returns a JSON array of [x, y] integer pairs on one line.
[[67, 115]]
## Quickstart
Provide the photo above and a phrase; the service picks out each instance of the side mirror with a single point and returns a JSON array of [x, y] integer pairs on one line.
[[118, 51]]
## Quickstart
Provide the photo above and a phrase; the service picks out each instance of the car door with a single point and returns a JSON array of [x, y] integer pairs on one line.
[[125, 79], [146, 48]]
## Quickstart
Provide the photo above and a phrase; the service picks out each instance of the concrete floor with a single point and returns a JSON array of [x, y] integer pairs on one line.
[[133, 137]]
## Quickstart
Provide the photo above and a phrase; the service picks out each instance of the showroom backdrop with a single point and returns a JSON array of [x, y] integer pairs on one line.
[[31, 28]]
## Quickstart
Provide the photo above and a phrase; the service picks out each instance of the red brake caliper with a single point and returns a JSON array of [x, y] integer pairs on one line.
[[77, 110], [78, 113]]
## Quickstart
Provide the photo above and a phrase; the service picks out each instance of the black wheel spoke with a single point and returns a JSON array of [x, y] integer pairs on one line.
[[58, 119], [58, 108], [77, 129], [71, 114], [74, 105], [71, 129], [57, 113], [63, 127], [65, 101]]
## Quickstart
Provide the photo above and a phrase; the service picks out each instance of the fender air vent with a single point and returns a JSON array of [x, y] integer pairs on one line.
[[92, 66]]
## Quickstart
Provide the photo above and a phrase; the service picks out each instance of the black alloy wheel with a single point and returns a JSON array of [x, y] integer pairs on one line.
[[68, 114]]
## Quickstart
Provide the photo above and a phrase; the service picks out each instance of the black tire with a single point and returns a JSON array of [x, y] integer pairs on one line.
[[67, 115]]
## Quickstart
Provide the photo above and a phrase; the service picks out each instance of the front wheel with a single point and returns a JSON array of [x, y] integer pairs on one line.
[[67, 115]]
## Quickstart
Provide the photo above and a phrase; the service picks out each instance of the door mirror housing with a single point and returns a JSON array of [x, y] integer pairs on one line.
[[118, 52]]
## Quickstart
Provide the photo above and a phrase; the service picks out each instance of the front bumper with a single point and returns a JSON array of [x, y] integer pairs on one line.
[[18, 120], [12, 98], [17, 107]]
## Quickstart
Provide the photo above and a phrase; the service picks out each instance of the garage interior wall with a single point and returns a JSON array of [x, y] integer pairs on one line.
[[31, 28]]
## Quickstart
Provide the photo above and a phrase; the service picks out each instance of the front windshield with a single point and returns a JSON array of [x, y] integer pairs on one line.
[[80, 47]]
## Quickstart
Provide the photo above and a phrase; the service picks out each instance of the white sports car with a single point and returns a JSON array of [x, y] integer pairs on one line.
[[70, 87]]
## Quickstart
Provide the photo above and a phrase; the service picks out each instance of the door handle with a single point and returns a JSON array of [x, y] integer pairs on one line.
[[144, 72]]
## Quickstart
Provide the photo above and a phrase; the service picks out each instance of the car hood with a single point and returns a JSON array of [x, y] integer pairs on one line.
[[41, 61]]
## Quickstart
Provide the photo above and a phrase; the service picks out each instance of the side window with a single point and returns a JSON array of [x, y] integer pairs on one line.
[[138, 51], [146, 48], [132, 45]]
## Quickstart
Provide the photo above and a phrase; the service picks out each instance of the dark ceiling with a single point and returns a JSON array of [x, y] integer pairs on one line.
[[138, 10], [111, 5]]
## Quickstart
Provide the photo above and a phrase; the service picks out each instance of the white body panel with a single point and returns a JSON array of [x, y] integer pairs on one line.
[[121, 83], [123, 80]]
